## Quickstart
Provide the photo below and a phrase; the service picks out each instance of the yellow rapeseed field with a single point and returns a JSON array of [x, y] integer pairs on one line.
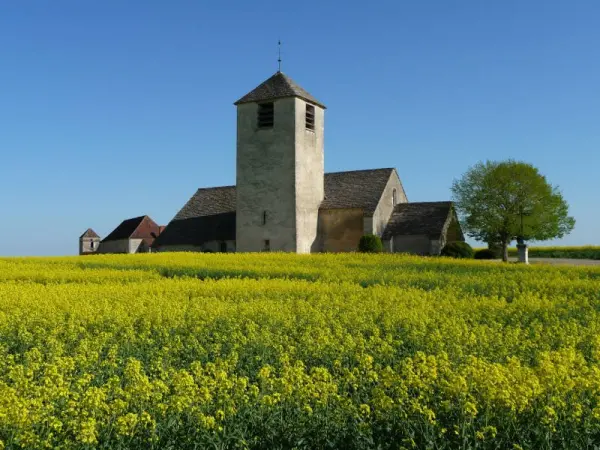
[[193, 351]]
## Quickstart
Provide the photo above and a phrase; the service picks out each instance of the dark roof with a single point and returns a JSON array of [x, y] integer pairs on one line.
[[142, 227], [278, 86], [209, 201], [198, 230], [208, 216], [426, 218], [355, 189], [89, 233]]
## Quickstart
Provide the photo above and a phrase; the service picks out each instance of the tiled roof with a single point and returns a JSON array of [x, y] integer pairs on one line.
[[198, 230], [209, 215], [142, 227], [89, 233], [355, 189], [278, 86], [426, 218], [209, 201]]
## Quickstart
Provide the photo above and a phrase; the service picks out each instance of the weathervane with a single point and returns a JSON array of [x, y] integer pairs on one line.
[[279, 55]]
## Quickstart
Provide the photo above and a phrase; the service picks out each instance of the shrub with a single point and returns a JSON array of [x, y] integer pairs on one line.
[[370, 243], [458, 250], [486, 253]]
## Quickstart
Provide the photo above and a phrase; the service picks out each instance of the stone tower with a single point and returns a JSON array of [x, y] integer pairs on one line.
[[89, 242], [280, 167]]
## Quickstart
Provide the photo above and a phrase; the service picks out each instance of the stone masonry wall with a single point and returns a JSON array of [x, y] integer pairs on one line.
[[381, 216], [120, 246], [85, 245], [265, 179], [213, 246], [280, 172], [134, 245], [417, 244], [309, 174], [340, 230]]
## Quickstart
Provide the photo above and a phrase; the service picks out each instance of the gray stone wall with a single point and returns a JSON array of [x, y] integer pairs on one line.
[[120, 246], [381, 216], [179, 248], [88, 245], [280, 172], [265, 179], [309, 174], [417, 244], [435, 247], [136, 245], [340, 230], [213, 246]]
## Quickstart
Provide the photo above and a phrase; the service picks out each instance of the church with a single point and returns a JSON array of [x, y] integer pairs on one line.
[[283, 200]]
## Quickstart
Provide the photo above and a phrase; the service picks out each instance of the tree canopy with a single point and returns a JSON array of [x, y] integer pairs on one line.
[[499, 202]]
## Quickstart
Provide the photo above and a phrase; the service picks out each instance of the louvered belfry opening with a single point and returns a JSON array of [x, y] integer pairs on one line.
[[266, 115], [310, 117]]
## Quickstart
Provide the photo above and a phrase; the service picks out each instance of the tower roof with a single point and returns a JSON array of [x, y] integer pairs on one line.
[[89, 233], [278, 86]]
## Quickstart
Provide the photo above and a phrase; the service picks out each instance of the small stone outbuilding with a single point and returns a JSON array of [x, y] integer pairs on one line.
[[89, 242]]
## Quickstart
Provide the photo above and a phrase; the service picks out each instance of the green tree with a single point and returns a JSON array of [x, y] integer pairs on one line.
[[499, 202]]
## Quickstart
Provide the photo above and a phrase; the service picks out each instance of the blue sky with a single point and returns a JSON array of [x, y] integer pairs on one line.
[[112, 109]]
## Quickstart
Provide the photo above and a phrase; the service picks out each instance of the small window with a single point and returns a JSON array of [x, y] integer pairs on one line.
[[267, 247], [310, 117], [92, 245], [223, 247], [394, 198], [266, 115], [264, 218]]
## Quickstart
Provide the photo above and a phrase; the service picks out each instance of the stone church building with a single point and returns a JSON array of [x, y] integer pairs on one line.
[[284, 201]]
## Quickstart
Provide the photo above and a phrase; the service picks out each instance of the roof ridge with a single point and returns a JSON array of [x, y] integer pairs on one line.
[[360, 170], [425, 203], [216, 187]]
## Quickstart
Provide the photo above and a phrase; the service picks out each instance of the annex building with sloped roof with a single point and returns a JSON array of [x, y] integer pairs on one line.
[[284, 201], [135, 235]]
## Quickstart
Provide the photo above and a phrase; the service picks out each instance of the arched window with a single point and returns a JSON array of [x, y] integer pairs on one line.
[[92, 245], [394, 198]]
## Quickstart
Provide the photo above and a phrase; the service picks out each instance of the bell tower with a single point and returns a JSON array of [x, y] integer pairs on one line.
[[279, 167]]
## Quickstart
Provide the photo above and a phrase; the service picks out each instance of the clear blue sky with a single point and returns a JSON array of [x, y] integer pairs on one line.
[[113, 109]]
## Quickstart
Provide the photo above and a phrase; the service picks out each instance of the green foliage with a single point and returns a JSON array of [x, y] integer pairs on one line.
[[500, 201], [583, 252], [486, 253], [458, 250], [370, 243]]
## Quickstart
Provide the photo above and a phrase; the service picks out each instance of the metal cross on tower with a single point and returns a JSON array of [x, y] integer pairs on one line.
[[279, 55]]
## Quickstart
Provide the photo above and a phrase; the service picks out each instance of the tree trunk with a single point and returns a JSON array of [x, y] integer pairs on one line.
[[504, 251]]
